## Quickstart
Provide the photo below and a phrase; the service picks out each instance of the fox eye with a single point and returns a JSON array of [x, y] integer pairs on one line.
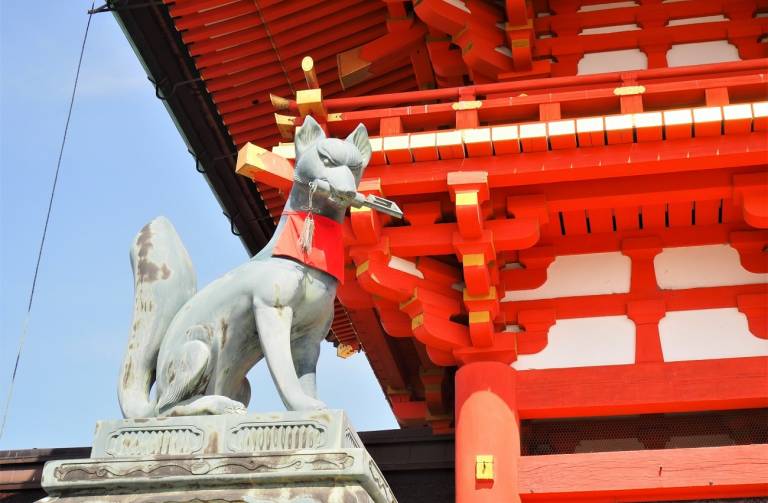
[[326, 161]]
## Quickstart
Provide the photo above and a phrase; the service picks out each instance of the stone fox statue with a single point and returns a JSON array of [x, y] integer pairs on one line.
[[197, 347]]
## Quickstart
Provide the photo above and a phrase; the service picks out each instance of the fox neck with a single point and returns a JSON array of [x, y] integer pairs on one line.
[[298, 200]]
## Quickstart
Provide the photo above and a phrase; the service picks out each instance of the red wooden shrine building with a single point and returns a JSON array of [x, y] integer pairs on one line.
[[578, 291]]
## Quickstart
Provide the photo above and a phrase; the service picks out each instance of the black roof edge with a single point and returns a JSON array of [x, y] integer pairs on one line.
[[393, 450], [161, 50]]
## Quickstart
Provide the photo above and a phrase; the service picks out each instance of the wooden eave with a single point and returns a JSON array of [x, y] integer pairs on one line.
[[215, 64]]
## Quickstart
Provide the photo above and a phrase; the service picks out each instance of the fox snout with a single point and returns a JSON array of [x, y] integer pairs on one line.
[[341, 183]]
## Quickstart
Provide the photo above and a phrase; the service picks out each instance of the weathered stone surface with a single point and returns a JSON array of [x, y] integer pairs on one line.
[[304, 494], [195, 348], [288, 457], [229, 433]]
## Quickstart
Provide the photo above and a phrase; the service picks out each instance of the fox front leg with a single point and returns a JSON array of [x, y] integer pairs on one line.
[[274, 328], [306, 351]]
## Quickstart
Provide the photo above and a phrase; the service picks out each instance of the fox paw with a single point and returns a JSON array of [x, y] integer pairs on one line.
[[238, 409], [309, 403], [217, 404]]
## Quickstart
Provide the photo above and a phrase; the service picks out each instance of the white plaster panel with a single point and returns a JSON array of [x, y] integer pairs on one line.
[[458, 4], [708, 334], [607, 5], [612, 61], [701, 53], [609, 29], [697, 20], [579, 275], [585, 342], [405, 266], [702, 266]]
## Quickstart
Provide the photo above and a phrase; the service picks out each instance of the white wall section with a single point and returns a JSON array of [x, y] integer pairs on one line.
[[702, 53], [697, 20], [579, 275], [607, 5], [612, 61], [609, 29], [708, 333], [702, 266], [405, 266], [585, 342]]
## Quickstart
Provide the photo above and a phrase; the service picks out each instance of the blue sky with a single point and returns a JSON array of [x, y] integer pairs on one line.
[[124, 164]]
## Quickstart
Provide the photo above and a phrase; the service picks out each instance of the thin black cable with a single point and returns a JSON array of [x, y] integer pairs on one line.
[[25, 328]]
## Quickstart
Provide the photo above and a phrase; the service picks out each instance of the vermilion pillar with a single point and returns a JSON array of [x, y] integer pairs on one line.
[[487, 431]]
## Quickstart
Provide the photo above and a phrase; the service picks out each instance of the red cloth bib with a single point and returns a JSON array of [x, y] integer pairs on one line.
[[327, 253]]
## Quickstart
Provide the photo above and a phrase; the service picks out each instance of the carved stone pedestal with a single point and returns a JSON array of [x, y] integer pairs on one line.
[[289, 457]]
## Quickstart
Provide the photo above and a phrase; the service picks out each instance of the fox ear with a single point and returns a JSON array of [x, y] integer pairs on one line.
[[359, 138], [309, 133]]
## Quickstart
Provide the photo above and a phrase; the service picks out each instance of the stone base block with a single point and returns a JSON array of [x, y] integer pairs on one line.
[[291, 457]]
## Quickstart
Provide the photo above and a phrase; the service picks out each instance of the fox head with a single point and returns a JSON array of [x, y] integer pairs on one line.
[[339, 163]]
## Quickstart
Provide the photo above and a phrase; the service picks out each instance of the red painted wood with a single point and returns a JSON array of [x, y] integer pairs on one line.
[[733, 383], [247, 49], [486, 424], [380, 355], [616, 304], [649, 475], [646, 315], [672, 156], [574, 100], [667, 80]]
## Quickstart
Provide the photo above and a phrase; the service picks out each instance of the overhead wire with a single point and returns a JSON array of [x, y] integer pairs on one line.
[[25, 327]]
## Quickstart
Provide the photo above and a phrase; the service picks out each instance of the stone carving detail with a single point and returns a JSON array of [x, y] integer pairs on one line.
[[276, 456], [350, 439], [201, 467], [380, 481], [155, 441], [261, 437]]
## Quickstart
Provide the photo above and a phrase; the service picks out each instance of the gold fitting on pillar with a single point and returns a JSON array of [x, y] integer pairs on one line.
[[628, 90], [362, 268], [467, 105], [466, 198], [473, 259], [479, 317], [484, 467]]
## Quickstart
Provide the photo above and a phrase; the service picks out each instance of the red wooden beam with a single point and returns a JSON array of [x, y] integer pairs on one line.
[[644, 190], [617, 304], [578, 103], [658, 14], [580, 164], [377, 56], [684, 34], [670, 237], [546, 85], [651, 475], [472, 27], [381, 357], [722, 384]]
